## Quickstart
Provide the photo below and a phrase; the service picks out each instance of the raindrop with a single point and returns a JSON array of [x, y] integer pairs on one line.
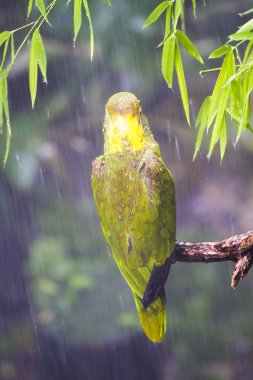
[[177, 149], [232, 224], [83, 94]]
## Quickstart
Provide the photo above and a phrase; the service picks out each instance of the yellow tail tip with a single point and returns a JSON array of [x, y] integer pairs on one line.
[[153, 319]]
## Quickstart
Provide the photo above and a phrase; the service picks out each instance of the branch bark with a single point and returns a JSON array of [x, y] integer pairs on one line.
[[237, 248]]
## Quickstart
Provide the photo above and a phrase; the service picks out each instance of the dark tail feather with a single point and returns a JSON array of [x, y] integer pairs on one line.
[[155, 286]]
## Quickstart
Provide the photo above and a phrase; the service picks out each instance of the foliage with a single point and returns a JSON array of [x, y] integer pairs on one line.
[[231, 93]]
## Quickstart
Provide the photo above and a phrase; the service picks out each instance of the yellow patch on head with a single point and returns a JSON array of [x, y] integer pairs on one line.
[[124, 132]]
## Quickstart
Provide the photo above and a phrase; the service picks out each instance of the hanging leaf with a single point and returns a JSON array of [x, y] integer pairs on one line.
[[246, 27], [86, 7], [188, 45], [241, 36], [77, 18], [33, 70], [194, 7], [12, 47], [202, 120], [30, 6], [4, 36], [220, 82], [223, 137], [153, 17], [41, 5], [40, 54], [181, 82], [220, 51], [218, 120], [168, 55]]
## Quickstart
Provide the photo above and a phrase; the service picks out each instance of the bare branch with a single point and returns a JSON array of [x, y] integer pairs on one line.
[[237, 248]]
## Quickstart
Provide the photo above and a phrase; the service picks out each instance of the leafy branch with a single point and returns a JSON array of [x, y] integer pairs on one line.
[[38, 57], [230, 99], [173, 39]]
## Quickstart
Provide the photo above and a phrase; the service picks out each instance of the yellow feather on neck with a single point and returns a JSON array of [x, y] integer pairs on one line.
[[124, 133]]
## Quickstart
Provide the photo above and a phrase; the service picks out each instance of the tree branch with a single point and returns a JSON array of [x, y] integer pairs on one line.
[[237, 248]]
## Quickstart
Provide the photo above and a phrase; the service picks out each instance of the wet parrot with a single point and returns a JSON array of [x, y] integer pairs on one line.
[[135, 197]]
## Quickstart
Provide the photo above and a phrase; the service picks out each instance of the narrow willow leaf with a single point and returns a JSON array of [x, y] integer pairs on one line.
[[202, 120], [250, 82], [246, 12], [30, 6], [153, 17], [41, 5], [220, 51], [167, 21], [168, 55], [218, 120], [194, 7], [7, 117], [188, 45], [4, 72], [181, 82], [77, 18], [12, 47], [178, 9], [221, 80], [87, 10], [247, 51], [4, 36], [40, 54], [203, 111], [223, 138], [246, 27], [241, 36], [1, 106], [235, 109], [6, 45], [244, 121], [108, 2], [249, 127], [33, 70]]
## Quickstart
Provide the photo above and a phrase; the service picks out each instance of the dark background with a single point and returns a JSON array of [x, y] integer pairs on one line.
[[65, 311]]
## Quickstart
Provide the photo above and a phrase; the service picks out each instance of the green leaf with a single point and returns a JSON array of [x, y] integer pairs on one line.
[[247, 51], [12, 47], [4, 36], [153, 17], [221, 80], [30, 6], [178, 9], [220, 51], [223, 137], [33, 70], [86, 7], [202, 120], [41, 5], [241, 36], [77, 18], [7, 117], [40, 54], [203, 111], [188, 45], [218, 120], [181, 82], [168, 55], [246, 27], [246, 12], [108, 2], [194, 7], [6, 45]]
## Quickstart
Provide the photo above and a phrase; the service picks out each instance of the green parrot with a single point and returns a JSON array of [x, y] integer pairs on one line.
[[135, 197]]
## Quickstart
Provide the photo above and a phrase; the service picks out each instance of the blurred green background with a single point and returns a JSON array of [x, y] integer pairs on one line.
[[65, 311]]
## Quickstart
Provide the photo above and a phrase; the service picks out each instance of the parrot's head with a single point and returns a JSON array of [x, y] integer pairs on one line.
[[125, 127]]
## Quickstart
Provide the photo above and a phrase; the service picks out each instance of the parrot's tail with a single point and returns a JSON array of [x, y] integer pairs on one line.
[[153, 318]]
